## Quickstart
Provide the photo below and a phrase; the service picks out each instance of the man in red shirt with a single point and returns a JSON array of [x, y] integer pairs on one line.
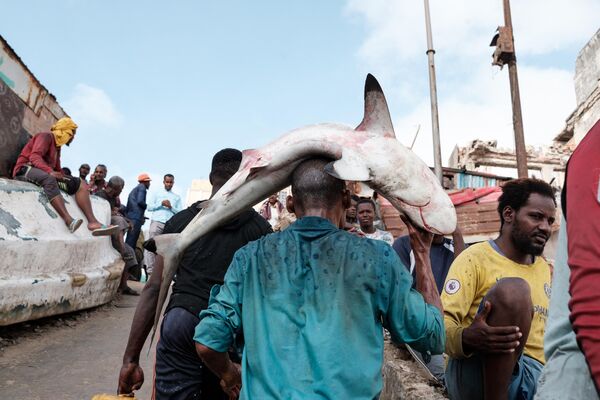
[[39, 163], [572, 338], [583, 231]]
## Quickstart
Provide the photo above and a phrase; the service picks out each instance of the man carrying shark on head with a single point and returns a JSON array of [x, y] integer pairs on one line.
[[312, 301], [307, 272], [180, 373]]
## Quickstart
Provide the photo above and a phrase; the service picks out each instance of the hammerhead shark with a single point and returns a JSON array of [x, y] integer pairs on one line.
[[369, 153]]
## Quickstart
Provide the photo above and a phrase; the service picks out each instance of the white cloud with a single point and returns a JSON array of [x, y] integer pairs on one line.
[[92, 107], [396, 28], [481, 110], [474, 97], [544, 26]]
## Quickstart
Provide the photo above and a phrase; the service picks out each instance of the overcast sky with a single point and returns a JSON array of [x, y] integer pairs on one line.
[[159, 87]]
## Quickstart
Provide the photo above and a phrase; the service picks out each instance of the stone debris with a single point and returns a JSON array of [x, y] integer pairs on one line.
[[406, 379]]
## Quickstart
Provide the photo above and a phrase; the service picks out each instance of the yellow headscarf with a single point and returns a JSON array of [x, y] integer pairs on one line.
[[63, 130]]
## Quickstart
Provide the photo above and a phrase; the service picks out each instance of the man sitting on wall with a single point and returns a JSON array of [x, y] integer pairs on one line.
[[39, 163], [111, 193], [98, 179]]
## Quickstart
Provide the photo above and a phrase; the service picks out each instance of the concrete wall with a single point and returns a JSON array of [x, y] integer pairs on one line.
[[587, 89], [26, 107], [45, 269], [587, 69]]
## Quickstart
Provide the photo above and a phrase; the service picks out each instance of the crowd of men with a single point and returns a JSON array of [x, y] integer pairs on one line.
[[312, 299], [39, 163], [291, 303]]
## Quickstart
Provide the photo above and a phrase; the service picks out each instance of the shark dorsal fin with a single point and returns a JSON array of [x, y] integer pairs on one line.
[[377, 116]]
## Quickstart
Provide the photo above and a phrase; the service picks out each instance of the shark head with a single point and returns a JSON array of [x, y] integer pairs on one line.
[[393, 170]]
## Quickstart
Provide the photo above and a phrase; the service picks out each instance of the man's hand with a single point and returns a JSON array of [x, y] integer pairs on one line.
[[231, 381], [131, 378], [166, 203], [480, 337], [57, 174], [355, 231], [420, 239]]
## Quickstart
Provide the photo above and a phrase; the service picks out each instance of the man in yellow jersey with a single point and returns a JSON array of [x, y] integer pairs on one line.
[[496, 299]]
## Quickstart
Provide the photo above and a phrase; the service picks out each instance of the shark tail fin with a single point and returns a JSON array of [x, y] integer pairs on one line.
[[377, 115], [166, 246]]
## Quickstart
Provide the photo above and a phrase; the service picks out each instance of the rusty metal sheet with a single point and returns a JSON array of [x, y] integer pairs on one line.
[[15, 74]]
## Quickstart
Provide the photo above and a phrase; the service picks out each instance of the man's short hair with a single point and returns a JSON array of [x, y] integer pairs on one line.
[[224, 164], [168, 176], [116, 182], [311, 185], [516, 192], [84, 165], [365, 200], [102, 166]]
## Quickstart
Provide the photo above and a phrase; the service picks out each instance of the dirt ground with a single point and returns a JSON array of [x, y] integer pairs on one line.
[[70, 357]]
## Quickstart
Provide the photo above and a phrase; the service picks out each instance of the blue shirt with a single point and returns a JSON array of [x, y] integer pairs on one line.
[[312, 301], [440, 255], [160, 212], [136, 202]]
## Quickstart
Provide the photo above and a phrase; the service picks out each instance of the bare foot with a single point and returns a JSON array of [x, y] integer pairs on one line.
[[94, 225]]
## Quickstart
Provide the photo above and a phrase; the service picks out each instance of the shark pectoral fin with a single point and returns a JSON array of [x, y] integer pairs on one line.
[[253, 158], [252, 161], [377, 115], [348, 170]]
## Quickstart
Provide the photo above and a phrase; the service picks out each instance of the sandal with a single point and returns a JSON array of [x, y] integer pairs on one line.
[[75, 224], [105, 230]]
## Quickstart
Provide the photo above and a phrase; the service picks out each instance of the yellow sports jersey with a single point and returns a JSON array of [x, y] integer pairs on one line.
[[472, 275]]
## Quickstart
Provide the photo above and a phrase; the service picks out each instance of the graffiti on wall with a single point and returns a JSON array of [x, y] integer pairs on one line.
[[5, 78]]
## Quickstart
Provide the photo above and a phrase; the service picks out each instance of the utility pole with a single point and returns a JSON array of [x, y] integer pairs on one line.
[[505, 54], [435, 124]]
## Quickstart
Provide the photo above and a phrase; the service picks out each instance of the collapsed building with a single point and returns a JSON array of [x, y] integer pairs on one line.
[[544, 162]]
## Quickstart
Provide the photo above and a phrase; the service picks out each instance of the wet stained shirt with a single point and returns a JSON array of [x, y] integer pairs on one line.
[[312, 301]]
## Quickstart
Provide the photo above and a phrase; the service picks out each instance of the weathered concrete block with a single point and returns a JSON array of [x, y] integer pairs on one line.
[[404, 378], [587, 69], [45, 269]]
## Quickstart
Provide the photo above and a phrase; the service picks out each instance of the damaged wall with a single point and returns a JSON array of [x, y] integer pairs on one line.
[[26, 107], [587, 92], [545, 162]]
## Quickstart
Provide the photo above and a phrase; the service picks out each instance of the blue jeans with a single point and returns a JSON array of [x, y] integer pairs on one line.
[[180, 374], [464, 378], [134, 233]]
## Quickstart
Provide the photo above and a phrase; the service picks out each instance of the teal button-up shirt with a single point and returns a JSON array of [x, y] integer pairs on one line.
[[312, 301], [160, 212]]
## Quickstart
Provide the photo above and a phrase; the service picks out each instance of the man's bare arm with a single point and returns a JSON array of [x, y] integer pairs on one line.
[[222, 366], [131, 376], [420, 242], [459, 242]]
